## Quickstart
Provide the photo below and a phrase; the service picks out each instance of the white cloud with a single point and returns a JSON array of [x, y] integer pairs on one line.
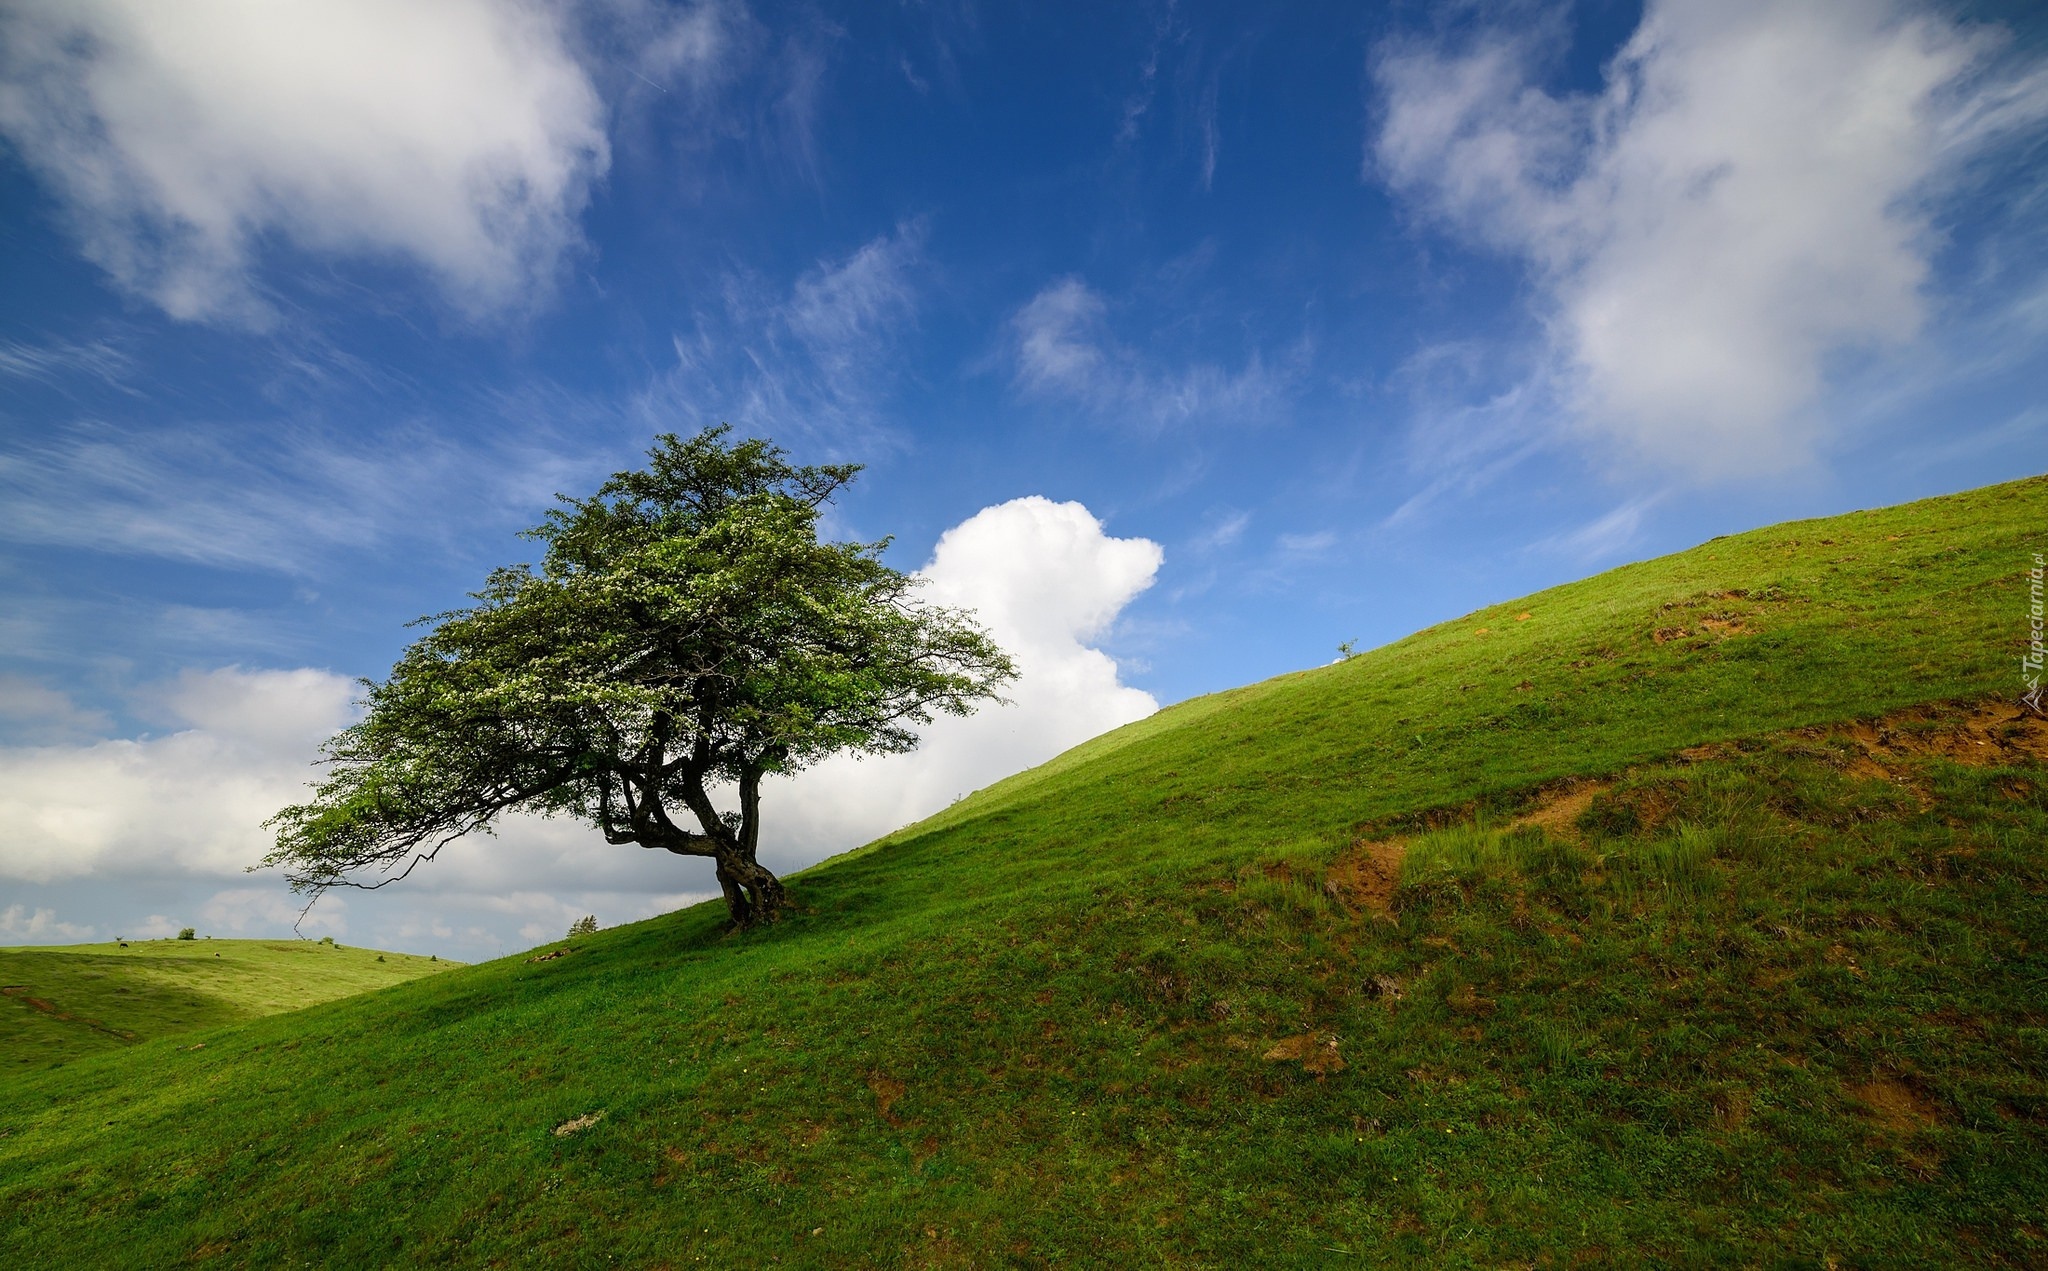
[[281, 498], [1604, 536], [460, 135], [841, 310], [188, 803], [677, 45], [1224, 532], [33, 712], [812, 361], [1308, 544], [18, 925], [155, 927], [1063, 348], [128, 826], [1060, 337], [55, 361], [1751, 196], [1047, 582], [128, 818], [262, 911]]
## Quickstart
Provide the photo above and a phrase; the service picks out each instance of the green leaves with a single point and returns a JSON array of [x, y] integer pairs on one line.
[[685, 626]]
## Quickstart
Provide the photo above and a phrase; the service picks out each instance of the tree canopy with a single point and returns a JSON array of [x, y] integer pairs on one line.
[[685, 634]]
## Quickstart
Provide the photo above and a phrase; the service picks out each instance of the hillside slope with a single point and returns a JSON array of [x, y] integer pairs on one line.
[[64, 1002], [1689, 913]]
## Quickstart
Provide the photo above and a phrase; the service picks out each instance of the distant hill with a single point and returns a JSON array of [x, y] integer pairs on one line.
[[1691, 914], [65, 1002]]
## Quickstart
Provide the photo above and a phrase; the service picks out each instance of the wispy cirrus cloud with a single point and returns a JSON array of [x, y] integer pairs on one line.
[[59, 360], [1603, 537], [1753, 196], [1063, 348], [805, 362], [218, 496]]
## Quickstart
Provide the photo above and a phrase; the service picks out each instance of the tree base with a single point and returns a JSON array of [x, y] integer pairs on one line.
[[753, 895]]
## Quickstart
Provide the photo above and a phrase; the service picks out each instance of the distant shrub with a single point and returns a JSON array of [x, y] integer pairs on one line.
[[186, 933], [326, 939], [584, 926]]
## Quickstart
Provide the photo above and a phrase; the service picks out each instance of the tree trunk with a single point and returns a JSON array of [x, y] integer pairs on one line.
[[753, 894], [737, 906]]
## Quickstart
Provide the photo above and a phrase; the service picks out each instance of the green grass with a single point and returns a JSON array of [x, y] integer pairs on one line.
[[1755, 1007], [66, 1002]]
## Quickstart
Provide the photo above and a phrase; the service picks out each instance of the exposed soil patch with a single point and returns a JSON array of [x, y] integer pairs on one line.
[[887, 1091], [1557, 812], [1993, 732], [20, 993], [1895, 1105], [1315, 1052], [1366, 876], [551, 955], [584, 1122], [1385, 988]]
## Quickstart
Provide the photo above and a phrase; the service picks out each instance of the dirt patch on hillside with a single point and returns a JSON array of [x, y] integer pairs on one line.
[[1365, 877], [1315, 1052], [1895, 1105], [1367, 874], [1983, 735], [887, 1091], [1557, 811], [20, 993], [1904, 1114]]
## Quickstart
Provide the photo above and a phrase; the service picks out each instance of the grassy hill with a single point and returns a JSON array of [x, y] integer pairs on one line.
[[66, 1002], [1691, 914]]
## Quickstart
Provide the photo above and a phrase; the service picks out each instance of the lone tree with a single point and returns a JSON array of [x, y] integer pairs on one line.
[[686, 632]]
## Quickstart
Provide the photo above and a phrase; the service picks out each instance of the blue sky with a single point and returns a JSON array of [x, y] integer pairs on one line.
[[1213, 337]]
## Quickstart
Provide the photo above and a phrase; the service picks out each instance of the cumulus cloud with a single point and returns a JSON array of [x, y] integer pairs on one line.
[[1751, 195], [461, 136], [20, 925], [191, 802], [133, 823], [1063, 348], [1047, 582], [34, 712], [261, 911], [136, 826]]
